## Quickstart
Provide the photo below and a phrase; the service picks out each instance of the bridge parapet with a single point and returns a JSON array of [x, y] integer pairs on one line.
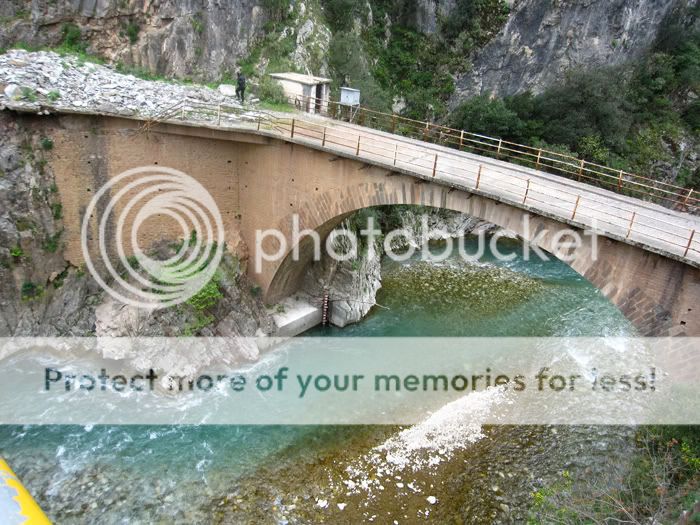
[[613, 209]]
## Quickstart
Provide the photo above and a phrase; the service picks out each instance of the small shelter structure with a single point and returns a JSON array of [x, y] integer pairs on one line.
[[306, 92]]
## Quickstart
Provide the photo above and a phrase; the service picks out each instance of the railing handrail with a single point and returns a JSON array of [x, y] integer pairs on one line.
[[673, 192], [623, 220]]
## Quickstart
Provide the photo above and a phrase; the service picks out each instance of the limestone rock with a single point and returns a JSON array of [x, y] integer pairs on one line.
[[227, 90], [13, 92], [65, 83], [543, 40]]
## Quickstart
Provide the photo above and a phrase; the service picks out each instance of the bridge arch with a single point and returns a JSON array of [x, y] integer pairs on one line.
[[260, 182], [636, 281]]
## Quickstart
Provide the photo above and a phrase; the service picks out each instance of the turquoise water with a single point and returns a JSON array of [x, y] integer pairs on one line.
[[494, 298], [142, 474]]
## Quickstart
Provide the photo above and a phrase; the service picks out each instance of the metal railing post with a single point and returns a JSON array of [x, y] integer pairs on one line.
[[396, 152], [580, 170], [478, 177], [687, 197], [461, 139], [292, 131], [357, 153], [573, 215], [527, 190], [393, 123], [619, 181], [218, 116], [435, 165], [323, 144], [690, 241], [425, 132], [629, 230], [539, 157], [498, 151]]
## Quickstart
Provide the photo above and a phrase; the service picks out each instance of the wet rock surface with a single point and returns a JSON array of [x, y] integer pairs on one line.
[[489, 481], [352, 284]]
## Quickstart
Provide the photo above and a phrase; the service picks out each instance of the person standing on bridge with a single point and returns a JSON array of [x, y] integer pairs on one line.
[[240, 86]]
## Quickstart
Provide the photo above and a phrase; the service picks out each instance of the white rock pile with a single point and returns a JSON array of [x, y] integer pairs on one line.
[[46, 82]]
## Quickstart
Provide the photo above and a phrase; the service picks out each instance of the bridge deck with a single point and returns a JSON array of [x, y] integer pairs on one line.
[[661, 230], [628, 219]]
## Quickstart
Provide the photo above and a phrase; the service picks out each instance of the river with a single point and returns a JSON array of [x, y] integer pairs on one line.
[[293, 474]]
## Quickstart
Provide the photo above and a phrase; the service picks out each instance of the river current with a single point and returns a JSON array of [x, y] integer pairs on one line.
[[303, 474]]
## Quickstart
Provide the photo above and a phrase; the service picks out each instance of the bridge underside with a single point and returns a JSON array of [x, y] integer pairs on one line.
[[260, 185]]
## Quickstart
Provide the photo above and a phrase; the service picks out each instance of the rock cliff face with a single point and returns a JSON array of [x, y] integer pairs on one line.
[[427, 14], [41, 294], [353, 284], [207, 39], [544, 38], [199, 39], [179, 38]]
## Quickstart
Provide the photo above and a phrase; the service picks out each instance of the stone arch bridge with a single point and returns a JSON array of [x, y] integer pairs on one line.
[[262, 174]]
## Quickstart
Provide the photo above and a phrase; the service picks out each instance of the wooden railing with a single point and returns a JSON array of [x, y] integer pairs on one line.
[[645, 188], [662, 230]]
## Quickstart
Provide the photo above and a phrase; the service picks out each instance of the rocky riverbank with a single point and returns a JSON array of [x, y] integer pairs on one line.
[[352, 284], [488, 477]]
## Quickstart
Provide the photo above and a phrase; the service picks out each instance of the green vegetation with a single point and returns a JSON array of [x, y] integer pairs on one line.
[[348, 65], [132, 31], [208, 296], [203, 301], [197, 24], [399, 62], [201, 321], [625, 117], [276, 106], [17, 252], [30, 291], [660, 482], [53, 96], [24, 225], [57, 211], [274, 48], [20, 14], [28, 94], [72, 39], [133, 262], [46, 143], [271, 91], [60, 279], [51, 242], [276, 9]]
